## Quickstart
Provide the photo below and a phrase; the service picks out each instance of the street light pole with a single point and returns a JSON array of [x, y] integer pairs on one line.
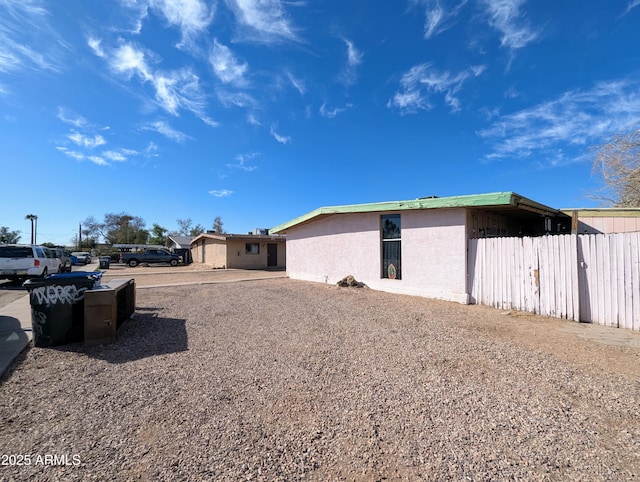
[[32, 218]]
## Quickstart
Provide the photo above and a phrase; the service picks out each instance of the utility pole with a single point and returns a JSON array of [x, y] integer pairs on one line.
[[79, 236]]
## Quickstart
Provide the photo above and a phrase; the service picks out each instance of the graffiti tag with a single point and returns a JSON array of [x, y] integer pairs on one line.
[[39, 319], [51, 295]]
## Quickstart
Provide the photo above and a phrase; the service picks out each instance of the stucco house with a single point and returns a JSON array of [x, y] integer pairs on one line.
[[239, 251], [180, 245], [416, 247]]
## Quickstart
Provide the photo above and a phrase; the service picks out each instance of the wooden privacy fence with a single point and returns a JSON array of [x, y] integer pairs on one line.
[[591, 278]]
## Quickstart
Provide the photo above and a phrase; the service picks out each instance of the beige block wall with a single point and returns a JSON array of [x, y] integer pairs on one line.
[[433, 252]]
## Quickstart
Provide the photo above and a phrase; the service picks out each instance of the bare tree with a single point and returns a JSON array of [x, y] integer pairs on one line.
[[217, 225], [618, 163], [197, 230], [184, 226]]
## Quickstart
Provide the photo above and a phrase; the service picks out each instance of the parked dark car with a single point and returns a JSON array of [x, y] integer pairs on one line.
[[65, 260]]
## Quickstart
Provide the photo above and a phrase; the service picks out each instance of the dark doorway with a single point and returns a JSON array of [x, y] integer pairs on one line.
[[272, 255]]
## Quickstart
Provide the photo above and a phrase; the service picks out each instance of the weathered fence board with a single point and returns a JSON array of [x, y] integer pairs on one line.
[[592, 278]]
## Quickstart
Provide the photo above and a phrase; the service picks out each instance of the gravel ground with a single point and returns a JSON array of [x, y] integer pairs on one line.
[[285, 380]]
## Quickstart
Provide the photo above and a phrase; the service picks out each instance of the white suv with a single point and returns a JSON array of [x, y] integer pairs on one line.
[[21, 261]]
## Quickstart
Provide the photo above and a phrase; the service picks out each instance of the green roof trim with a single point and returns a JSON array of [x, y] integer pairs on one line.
[[496, 199]]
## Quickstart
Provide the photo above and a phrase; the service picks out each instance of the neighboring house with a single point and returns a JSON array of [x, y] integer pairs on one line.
[[416, 247], [181, 245], [604, 220], [240, 251], [179, 242]]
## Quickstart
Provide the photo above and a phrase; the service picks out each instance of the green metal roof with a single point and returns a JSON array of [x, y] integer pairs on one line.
[[494, 199]]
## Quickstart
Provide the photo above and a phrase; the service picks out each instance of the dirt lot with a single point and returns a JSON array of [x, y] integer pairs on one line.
[[283, 380]]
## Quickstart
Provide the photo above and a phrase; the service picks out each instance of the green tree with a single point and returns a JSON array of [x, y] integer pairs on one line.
[[217, 226], [618, 164], [158, 235], [121, 228], [9, 237]]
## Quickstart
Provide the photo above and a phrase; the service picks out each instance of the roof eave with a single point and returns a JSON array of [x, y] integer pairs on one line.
[[496, 199]]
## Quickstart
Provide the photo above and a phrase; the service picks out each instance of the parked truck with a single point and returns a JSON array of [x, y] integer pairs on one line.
[[150, 256]]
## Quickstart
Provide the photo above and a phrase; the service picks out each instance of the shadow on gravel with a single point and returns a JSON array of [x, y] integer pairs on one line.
[[146, 335]]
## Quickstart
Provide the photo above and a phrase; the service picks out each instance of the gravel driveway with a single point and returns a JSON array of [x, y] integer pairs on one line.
[[284, 380]]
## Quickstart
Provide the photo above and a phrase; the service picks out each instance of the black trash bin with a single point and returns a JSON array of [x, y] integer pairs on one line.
[[57, 307], [105, 262]]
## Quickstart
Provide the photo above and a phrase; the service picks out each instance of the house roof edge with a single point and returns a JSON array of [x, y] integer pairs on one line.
[[471, 200]]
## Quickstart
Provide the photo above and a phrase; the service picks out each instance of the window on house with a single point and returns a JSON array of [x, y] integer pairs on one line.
[[252, 248], [391, 246]]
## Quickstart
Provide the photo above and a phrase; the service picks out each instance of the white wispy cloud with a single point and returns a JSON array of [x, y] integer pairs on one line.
[[263, 20], [78, 156], [242, 162], [138, 11], [226, 66], [235, 99], [115, 156], [439, 15], [179, 90], [354, 59], [95, 45], [297, 83], [129, 60], [631, 5], [174, 90], [70, 118], [506, 17], [354, 56], [87, 142], [210, 122], [253, 120], [166, 130], [423, 81], [281, 139], [192, 17], [332, 112], [151, 150], [23, 24], [549, 132], [98, 160], [221, 193]]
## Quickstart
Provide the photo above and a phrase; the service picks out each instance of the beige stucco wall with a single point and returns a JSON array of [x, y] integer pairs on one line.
[[230, 253], [215, 252], [238, 258], [433, 252]]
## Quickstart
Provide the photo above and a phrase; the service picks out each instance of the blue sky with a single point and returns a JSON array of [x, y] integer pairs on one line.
[[259, 111]]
